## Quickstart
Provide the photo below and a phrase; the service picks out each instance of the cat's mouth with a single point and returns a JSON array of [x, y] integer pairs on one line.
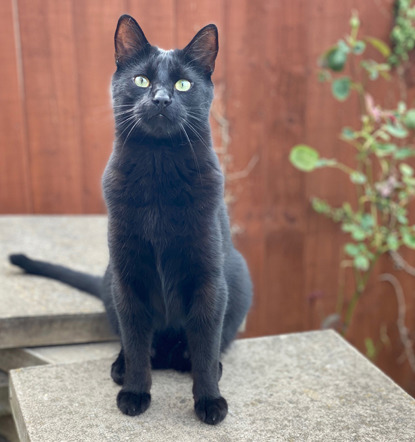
[[160, 116]]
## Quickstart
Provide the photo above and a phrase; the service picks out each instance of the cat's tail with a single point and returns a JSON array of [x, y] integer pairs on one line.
[[82, 281]]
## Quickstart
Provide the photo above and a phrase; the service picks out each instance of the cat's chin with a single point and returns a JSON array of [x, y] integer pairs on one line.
[[160, 127]]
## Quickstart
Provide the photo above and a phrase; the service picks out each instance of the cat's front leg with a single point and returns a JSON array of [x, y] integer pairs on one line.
[[136, 337], [203, 331]]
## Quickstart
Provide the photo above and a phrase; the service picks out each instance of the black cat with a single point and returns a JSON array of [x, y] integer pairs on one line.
[[176, 289]]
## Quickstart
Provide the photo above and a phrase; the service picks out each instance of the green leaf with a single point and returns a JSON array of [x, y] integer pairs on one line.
[[402, 219], [401, 107], [408, 239], [351, 249], [358, 178], [361, 262], [379, 45], [396, 131], [402, 195], [335, 59], [320, 206], [404, 153], [348, 134], [347, 209], [384, 149], [371, 351], [367, 221], [409, 181], [409, 119], [392, 241], [342, 46], [341, 88], [358, 234], [359, 47], [406, 169], [304, 157], [383, 136]]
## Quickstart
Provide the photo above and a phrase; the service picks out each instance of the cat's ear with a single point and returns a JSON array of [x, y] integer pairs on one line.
[[129, 39], [204, 48]]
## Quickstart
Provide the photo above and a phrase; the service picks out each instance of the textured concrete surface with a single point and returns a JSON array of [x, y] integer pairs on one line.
[[301, 387], [38, 311], [56, 354]]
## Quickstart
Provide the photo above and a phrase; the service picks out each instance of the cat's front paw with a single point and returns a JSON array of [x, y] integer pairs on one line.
[[211, 411], [133, 404]]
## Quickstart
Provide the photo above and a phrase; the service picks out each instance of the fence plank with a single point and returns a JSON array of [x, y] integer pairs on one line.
[[52, 106], [95, 23], [15, 191]]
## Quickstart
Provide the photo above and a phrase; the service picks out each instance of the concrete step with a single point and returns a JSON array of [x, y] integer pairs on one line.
[[303, 387], [57, 354], [37, 311], [26, 357]]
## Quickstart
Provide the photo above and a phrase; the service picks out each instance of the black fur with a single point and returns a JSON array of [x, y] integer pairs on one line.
[[176, 289]]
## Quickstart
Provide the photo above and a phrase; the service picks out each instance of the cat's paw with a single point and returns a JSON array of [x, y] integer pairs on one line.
[[133, 404], [211, 411], [118, 370]]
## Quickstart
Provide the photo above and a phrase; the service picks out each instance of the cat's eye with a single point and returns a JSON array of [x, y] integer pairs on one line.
[[183, 85], [141, 81]]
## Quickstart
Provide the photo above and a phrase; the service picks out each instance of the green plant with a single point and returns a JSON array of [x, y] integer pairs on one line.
[[377, 221], [403, 32]]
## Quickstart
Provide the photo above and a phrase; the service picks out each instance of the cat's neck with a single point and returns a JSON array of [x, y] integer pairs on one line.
[[187, 140]]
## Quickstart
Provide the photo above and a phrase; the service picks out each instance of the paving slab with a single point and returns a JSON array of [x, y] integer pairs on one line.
[[38, 311], [56, 354], [301, 387]]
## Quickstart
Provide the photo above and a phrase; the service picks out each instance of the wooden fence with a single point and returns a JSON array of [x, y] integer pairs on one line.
[[56, 133]]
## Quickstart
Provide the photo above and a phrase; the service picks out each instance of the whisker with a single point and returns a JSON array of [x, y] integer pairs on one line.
[[127, 120], [123, 112], [193, 152], [194, 130], [133, 127]]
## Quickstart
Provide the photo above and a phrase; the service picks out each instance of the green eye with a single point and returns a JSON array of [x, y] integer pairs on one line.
[[183, 85], [141, 81]]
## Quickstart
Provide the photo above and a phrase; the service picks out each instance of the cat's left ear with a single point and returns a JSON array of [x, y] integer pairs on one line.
[[204, 48], [129, 39]]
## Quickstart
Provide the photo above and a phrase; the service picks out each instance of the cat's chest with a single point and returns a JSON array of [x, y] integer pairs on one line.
[[160, 196], [157, 182]]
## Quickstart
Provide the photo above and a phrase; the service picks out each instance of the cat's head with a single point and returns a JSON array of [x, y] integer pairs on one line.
[[162, 93]]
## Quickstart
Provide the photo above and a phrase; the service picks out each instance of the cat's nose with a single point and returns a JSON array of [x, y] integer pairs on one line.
[[161, 98]]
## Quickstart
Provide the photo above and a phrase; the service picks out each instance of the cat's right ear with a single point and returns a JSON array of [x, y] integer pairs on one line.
[[129, 39]]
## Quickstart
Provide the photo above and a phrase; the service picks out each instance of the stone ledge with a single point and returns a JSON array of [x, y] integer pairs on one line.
[[306, 386], [39, 311], [27, 357]]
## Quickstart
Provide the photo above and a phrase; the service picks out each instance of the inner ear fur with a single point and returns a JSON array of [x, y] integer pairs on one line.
[[129, 39], [204, 48]]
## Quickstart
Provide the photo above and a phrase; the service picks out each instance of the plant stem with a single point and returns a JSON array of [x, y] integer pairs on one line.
[[361, 284]]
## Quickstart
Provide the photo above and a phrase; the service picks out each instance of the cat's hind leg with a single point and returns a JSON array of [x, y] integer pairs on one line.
[[239, 297], [118, 369]]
